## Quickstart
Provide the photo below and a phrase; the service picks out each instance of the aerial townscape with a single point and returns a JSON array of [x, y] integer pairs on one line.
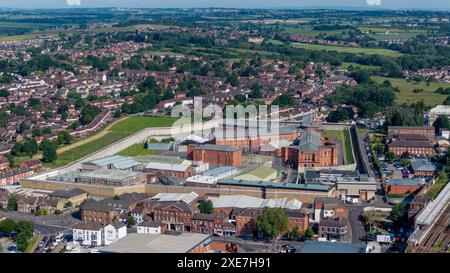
[[353, 155]]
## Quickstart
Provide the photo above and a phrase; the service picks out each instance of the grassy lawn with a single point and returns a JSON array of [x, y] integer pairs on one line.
[[137, 150], [136, 123], [117, 132], [407, 95], [31, 244], [346, 49], [344, 138]]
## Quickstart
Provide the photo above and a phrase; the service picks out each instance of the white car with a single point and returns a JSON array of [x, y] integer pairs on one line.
[[352, 200]]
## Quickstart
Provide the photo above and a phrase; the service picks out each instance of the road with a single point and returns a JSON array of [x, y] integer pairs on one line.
[[45, 225], [357, 229], [380, 194]]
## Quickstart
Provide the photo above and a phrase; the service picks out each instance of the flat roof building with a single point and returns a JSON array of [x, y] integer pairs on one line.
[[113, 178], [114, 162], [160, 243]]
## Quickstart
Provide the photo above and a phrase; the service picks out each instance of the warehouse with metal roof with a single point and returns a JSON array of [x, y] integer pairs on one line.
[[243, 201], [186, 242], [114, 162]]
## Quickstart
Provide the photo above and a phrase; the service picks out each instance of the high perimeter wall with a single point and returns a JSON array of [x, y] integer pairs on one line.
[[301, 195]]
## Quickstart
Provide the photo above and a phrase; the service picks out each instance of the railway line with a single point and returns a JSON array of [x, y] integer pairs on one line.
[[439, 235]]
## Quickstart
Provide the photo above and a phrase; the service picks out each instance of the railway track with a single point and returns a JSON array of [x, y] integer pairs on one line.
[[439, 229]]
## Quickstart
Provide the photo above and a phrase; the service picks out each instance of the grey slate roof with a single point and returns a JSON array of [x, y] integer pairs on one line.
[[119, 162], [310, 141], [67, 193], [423, 165], [212, 147], [328, 247]]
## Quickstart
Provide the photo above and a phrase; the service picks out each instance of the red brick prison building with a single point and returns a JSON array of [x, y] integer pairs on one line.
[[215, 155], [237, 135], [311, 151]]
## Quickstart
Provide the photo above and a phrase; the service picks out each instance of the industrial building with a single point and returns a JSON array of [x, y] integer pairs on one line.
[[160, 243], [113, 178], [210, 177], [114, 162], [243, 201]]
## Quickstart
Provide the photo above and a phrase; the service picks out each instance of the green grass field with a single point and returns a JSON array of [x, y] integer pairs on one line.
[[137, 150], [119, 131], [391, 33], [137, 123], [344, 138], [346, 49], [308, 31], [406, 94], [367, 67]]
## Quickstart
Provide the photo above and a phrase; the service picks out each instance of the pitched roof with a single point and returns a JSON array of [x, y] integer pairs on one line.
[[179, 205], [310, 141], [91, 204], [68, 193], [421, 164], [119, 162], [212, 147]]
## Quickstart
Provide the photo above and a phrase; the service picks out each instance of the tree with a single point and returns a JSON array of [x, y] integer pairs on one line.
[[41, 212], [405, 162], [7, 225], [390, 156], [68, 205], [49, 153], [309, 233], [88, 113], [206, 207], [442, 122], [274, 221], [64, 138], [22, 242], [295, 233], [131, 221], [57, 212], [233, 79], [398, 212], [12, 203], [4, 93]]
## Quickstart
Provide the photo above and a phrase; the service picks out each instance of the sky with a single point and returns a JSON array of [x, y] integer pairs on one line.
[[389, 4]]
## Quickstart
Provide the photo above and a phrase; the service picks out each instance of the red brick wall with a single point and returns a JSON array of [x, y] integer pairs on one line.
[[395, 189], [218, 157]]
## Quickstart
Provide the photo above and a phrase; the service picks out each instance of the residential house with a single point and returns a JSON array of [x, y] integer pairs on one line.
[[151, 227]]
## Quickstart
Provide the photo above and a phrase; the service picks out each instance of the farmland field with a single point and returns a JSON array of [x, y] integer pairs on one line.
[[407, 95], [346, 49], [308, 31], [391, 33]]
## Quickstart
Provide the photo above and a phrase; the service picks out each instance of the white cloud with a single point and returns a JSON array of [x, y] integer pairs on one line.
[[373, 2], [74, 2]]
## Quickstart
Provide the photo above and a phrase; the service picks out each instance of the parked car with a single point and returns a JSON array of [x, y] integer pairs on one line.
[[352, 200], [288, 249]]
